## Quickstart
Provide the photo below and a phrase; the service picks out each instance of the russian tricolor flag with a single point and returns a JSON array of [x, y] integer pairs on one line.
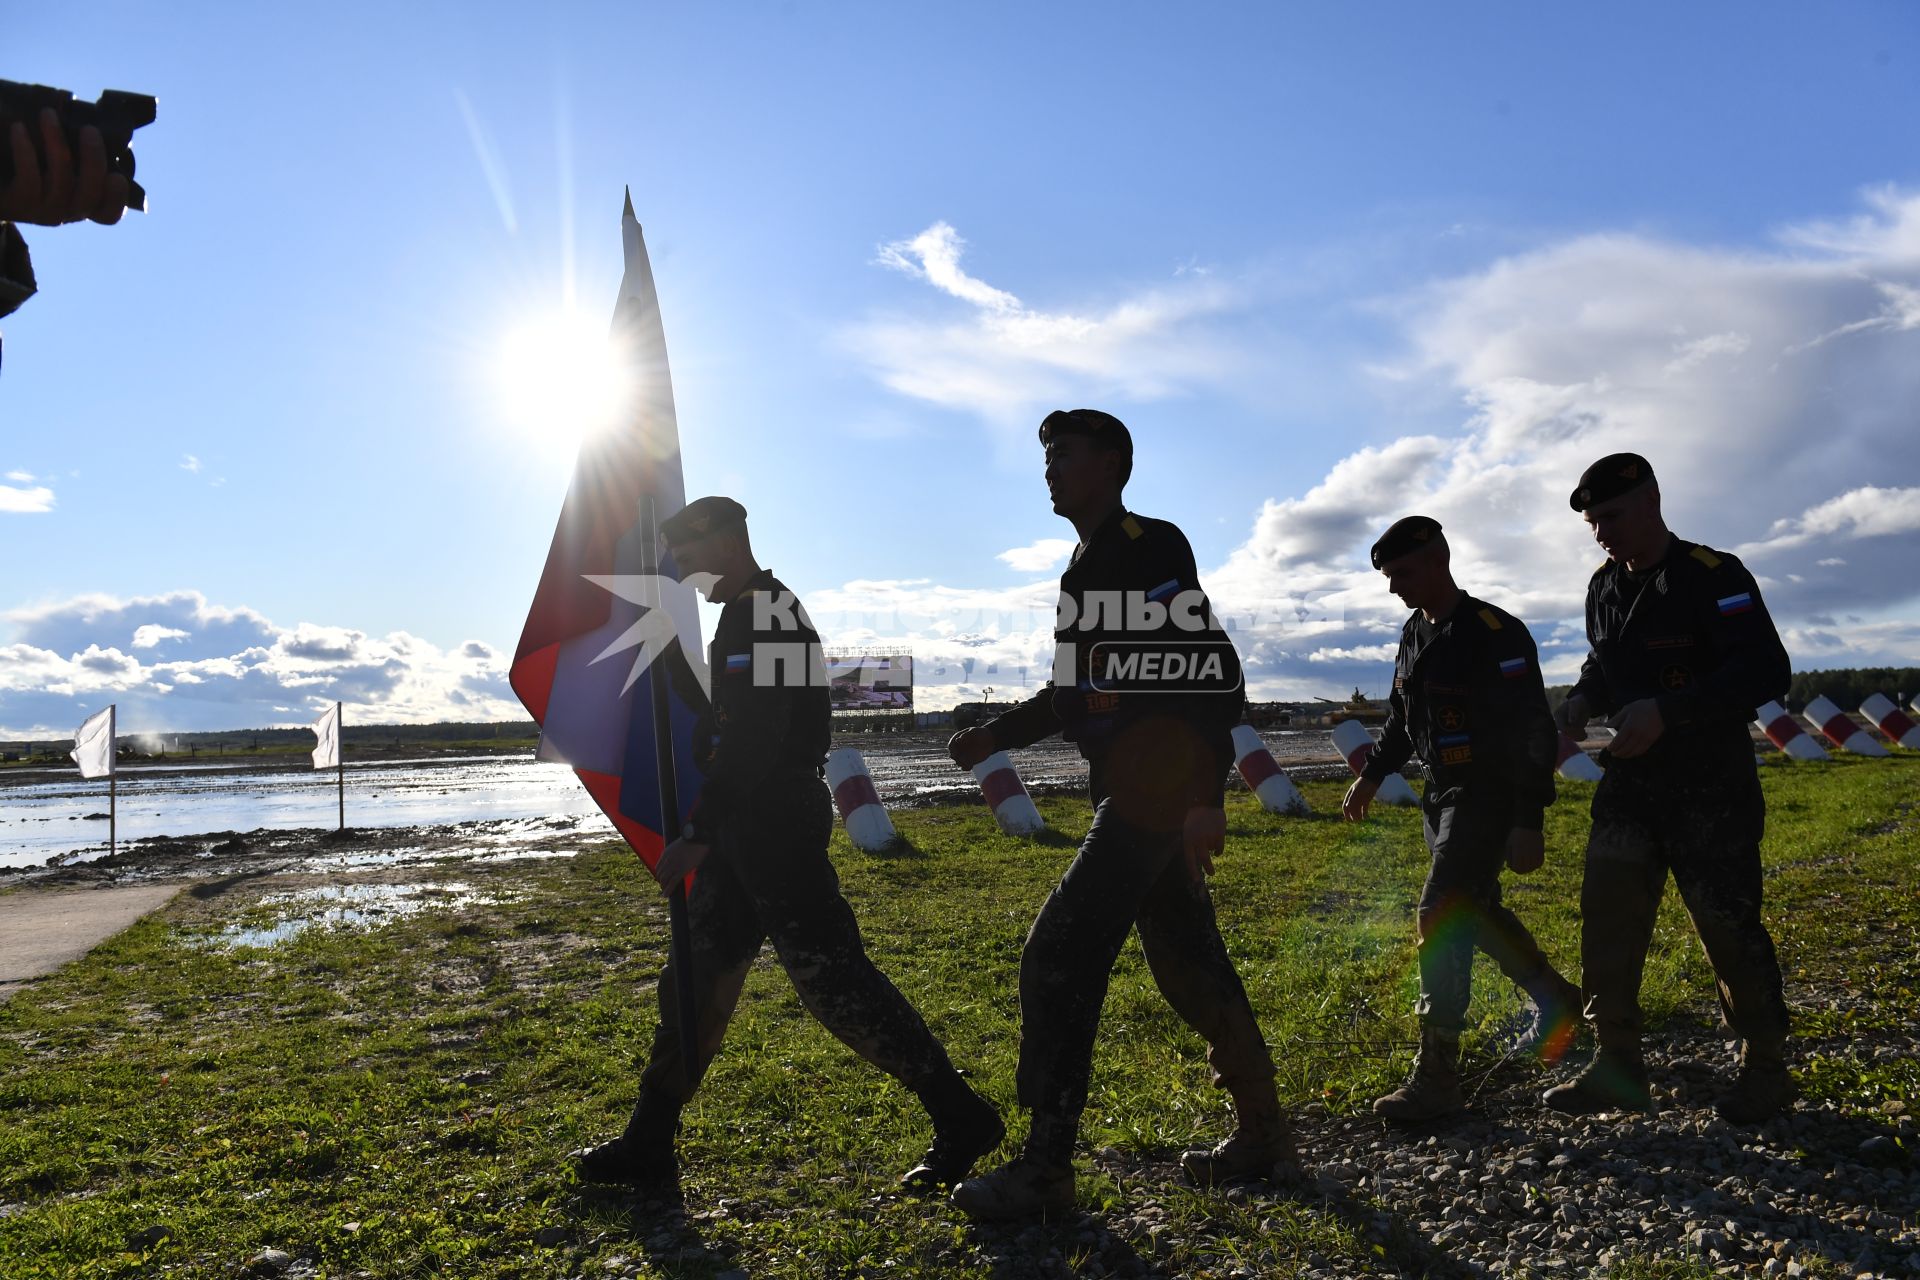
[[1742, 603], [1513, 667], [582, 665]]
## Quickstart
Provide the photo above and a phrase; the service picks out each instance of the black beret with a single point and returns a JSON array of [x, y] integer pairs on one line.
[[1608, 478], [701, 517], [1407, 534], [1104, 428]]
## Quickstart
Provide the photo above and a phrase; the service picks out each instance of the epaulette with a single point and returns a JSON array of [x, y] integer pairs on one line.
[[1491, 618], [1132, 527], [1705, 557]]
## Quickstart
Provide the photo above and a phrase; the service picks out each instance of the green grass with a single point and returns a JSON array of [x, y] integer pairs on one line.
[[398, 1102]]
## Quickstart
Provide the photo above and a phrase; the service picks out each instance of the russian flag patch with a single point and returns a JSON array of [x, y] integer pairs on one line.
[[1742, 603], [738, 662], [1170, 587], [1513, 667]]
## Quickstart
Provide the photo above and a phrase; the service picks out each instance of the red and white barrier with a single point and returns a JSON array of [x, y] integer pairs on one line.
[[1351, 739], [1784, 732], [1577, 764], [1891, 720], [1263, 775], [868, 825], [1007, 796], [1839, 728]]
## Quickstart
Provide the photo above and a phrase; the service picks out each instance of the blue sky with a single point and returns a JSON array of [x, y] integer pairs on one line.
[[1331, 263]]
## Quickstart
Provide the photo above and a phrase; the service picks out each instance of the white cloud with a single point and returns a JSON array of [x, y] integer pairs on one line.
[[1364, 653], [1007, 360], [151, 634], [934, 256], [1760, 382], [190, 463], [1866, 512], [228, 668], [1689, 354], [1037, 557], [20, 477], [25, 501]]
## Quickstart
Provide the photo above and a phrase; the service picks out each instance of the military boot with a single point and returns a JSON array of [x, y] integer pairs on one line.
[[965, 1127], [643, 1155], [1261, 1145], [1557, 1007], [1615, 1080], [1432, 1090], [1761, 1091], [1036, 1183]]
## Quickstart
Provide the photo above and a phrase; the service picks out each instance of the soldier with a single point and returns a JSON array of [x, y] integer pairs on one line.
[[1682, 653], [1468, 700], [758, 835], [1131, 612]]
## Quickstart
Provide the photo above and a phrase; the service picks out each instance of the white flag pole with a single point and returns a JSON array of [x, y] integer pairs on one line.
[[113, 780], [341, 773]]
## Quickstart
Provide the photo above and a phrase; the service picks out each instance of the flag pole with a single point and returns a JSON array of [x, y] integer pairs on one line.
[[681, 931], [113, 780], [340, 761]]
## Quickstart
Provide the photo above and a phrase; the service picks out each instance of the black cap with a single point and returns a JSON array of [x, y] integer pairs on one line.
[[701, 517], [1408, 534], [1608, 478]]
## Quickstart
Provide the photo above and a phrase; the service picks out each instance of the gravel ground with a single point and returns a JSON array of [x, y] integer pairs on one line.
[[1511, 1189]]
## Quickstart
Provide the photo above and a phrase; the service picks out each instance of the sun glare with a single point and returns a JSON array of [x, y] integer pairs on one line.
[[559, 379]]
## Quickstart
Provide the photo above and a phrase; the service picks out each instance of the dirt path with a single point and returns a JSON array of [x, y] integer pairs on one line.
[[42, 929]]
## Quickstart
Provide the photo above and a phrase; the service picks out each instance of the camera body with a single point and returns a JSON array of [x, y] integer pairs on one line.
[[116, 115]]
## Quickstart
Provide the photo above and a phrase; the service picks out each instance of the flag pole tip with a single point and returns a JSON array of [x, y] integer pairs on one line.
[[629, 211]]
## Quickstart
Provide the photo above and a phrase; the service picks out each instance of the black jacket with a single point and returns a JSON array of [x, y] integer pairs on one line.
[[769, 712], [1132, 591], [1692, 633], [1469, 701]]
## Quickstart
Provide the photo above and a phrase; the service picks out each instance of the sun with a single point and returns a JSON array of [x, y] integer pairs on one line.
[[558, 377]]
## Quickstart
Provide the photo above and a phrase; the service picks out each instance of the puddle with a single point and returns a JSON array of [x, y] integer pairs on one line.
[[349, 906], [484, 850]]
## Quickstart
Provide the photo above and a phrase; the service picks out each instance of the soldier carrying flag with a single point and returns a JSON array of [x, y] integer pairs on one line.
[[758, 839]]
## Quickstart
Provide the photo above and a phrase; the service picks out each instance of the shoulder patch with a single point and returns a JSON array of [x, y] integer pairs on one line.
[[1705, 557], [1132, 527], [1491, 618]]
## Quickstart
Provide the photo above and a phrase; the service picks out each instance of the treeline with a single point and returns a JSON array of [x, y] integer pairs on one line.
[[1849, 687], [136, 742]]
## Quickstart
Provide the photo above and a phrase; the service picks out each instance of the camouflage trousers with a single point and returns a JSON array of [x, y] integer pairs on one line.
[[1461, 910], [1700, 819], [1126, 877], [769, 879]]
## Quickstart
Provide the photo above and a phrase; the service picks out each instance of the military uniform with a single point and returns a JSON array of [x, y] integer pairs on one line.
[[1469, 702], [1692, 633], [767, 813], [1152, 756]]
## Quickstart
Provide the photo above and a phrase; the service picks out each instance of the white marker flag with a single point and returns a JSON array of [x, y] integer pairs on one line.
[[93, 744], [327, 730]]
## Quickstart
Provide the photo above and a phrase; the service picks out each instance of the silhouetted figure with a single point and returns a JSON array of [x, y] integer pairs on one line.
[[1158, 751], [1683, 652], [1467, 699]]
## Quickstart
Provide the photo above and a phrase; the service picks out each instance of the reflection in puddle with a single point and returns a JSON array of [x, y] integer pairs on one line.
[[350, 906]]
